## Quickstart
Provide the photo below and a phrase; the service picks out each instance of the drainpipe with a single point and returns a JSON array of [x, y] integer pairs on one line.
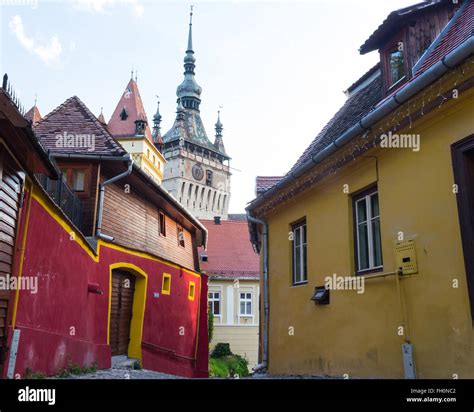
[[266, 304], [100, 206]]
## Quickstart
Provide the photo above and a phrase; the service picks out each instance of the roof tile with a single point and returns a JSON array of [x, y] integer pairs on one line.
[[73, 118], [229, 251]]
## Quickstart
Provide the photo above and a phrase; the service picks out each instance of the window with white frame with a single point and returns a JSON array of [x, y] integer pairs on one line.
[[245, 303], [368, 243], [300, 269], [215, 303]]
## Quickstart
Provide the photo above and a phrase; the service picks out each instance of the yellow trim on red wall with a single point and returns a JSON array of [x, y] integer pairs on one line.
[[191, 290], [136, 329], [166, 284]]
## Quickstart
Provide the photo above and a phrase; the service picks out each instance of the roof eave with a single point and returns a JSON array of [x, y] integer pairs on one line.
[[452, 59]]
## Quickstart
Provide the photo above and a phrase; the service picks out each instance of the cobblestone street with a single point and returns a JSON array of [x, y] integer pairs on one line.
[[123, 373]]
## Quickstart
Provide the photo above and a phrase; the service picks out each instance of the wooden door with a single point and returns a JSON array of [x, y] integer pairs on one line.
[[11, 181], [463, 165], [123, 287]]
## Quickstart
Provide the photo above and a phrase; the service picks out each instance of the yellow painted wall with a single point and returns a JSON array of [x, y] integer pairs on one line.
[[139, 149], [243, 341], [241, 332], [356, 334]]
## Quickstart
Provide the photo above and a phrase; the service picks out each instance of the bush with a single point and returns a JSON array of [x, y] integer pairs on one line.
[[238, 365], [225, 364], [221, 351], [228, 367], [218, 368]]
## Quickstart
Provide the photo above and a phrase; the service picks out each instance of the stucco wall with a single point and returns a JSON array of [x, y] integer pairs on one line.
[[357, 334]]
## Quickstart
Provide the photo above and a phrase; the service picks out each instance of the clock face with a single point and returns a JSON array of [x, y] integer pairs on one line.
[[198, 172]]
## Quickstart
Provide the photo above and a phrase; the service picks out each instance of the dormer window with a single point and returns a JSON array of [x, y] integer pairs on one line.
[[140, 128], [396, 65], [123, 114]]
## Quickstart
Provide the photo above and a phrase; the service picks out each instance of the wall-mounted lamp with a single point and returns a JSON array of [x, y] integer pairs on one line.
[[94, 288], [321, 295]]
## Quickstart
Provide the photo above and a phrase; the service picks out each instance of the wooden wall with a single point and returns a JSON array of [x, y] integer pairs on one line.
[[424, 32], [134, 223]]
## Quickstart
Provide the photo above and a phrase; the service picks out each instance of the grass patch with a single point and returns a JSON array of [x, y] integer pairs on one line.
[[75, 369], [29, 374]]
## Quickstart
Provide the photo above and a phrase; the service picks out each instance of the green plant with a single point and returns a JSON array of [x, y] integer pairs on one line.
[[238, 365], [137, 365], [210, 324], [74, 369], [221, 350], [228, 366], [29, 374], [218, 368]]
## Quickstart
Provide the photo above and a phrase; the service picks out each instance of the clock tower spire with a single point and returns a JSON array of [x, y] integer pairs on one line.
[[197, 171]]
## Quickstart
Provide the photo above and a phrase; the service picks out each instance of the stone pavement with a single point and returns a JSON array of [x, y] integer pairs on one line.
[[117, 373]]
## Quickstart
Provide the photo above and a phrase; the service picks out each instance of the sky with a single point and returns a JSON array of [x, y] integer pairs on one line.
[[278, 69]]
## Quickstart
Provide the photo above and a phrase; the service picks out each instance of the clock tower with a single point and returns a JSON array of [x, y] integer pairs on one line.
[[197, 171]]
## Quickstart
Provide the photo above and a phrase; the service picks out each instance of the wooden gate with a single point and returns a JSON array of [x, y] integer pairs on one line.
[[123, 287]]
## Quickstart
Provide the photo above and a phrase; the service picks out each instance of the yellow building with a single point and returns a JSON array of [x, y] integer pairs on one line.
[[129, 125], [367, 243], [234, 289]]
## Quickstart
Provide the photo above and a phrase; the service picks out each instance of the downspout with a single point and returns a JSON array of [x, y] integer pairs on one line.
[[266, 303], [100, 205]]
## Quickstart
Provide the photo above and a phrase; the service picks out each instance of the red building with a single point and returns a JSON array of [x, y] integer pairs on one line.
[[105, 260]]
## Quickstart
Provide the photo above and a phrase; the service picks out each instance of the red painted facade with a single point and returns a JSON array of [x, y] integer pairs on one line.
[[64, 322]]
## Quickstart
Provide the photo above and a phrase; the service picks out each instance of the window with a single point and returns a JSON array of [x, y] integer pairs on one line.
[[79, 180], [245, 304], [166, 286], [123, 115], [367, 231], [396, 66], [162, 223], [192, 290], [300, 269], [208, 178], [180, 236], [215, 303]]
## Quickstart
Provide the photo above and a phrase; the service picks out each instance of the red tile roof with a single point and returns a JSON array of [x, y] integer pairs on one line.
[[74, 118], [132, 102], [33, 115], [264, 183], [229, 251], [457, 33]]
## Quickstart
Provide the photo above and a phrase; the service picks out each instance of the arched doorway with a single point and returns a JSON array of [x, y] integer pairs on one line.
[[127, 294]]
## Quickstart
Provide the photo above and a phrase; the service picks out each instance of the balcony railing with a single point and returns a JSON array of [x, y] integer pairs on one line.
[[64, 197]]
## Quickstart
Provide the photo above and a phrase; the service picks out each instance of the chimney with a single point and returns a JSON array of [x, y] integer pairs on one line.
[[217, 220]]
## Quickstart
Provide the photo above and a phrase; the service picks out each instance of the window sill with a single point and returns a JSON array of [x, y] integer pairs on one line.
[[369, 271], [299, 284]]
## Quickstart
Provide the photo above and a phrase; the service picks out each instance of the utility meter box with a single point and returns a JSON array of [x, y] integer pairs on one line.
[[405, 254]]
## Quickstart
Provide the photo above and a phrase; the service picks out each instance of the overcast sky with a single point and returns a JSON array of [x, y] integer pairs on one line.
[[279, 69]]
